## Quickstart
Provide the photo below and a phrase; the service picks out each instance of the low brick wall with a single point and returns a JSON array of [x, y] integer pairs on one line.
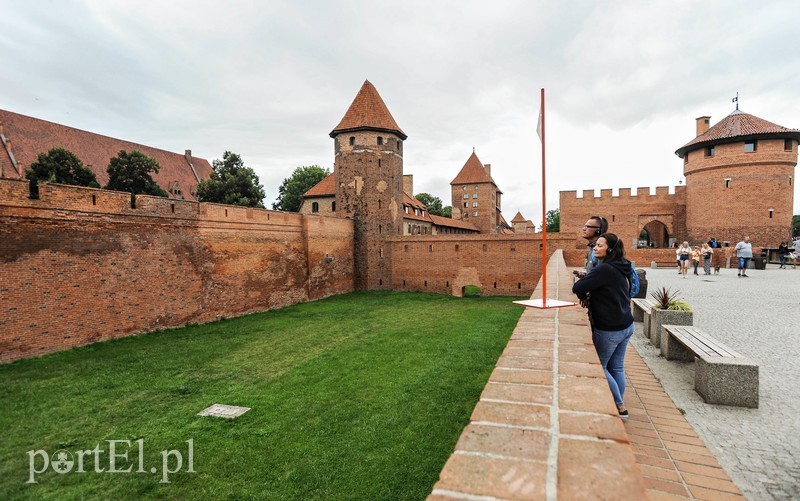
[[546, 425]]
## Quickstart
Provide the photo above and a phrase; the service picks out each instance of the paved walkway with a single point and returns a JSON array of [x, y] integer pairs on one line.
[[758, 316]]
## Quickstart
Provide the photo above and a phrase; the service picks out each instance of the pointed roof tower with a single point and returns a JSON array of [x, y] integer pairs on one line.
[[368, 112], [473, 172], [519, 218], [738, 126]]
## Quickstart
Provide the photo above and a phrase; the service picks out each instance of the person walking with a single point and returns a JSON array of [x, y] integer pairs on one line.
[[707, 254], [696, 257], [683, 253], [608, 284], [783, 250], [744, 252]]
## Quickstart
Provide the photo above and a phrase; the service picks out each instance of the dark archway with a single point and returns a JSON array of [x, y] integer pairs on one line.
[[655, 234]]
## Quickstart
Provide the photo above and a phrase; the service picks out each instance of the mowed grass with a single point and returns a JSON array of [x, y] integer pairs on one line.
[[360, 396]]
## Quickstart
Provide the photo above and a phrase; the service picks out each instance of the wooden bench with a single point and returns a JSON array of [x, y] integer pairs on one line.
[[721, 375], [640, 306]]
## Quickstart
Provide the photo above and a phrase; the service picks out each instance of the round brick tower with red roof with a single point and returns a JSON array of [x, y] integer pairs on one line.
[[369, 183], [740, 180]]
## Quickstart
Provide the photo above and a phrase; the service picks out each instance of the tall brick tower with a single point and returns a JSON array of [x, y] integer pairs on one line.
[[475, 196], [369, 183], [740, 180]]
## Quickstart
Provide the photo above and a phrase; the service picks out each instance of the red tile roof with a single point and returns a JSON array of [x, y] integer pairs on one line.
[[324, 188], [453, 223], [473, 172], [519, 218], [738, 126], [30, 136], [411, 203], [368, 111]]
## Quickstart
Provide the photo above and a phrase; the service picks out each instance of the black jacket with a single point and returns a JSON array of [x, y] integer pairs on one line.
[[609, 305]]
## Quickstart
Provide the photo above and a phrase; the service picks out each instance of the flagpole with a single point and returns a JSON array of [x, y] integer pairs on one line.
[[544, 213]]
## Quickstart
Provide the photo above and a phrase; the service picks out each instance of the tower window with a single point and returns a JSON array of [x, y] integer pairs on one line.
[[315, 207], [352, 140], [770, 213], [727, 182], [474, 204], [750, 146], [406, 209], [710, 151], [475, 195], [380, 140], [475, 214], [466, 195], [787, 144], [464, 188], [399, 144], [333, 206]]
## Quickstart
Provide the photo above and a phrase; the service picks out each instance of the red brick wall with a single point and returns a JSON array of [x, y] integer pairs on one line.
[[759, 181], [80, 265]]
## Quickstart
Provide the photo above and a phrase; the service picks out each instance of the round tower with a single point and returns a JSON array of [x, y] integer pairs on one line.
[[740, 180], [368, 166]]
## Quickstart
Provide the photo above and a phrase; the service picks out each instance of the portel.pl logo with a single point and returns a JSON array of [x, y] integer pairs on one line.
[[63, 461]]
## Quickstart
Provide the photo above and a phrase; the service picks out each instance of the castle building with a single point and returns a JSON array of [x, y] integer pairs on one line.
[[739, 181], [23, 138], [476, 198]]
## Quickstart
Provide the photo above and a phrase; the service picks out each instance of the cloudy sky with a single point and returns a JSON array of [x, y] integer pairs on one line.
[[270, 79]]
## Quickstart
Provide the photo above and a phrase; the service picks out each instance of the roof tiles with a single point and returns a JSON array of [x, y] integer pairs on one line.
[[368, 111], [473, 172]]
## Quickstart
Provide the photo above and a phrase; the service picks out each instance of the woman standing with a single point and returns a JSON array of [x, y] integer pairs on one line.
[[707, 254], [683, 252], [610, 311]]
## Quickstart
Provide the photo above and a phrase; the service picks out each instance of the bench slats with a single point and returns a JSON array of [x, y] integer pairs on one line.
[[700, 343]]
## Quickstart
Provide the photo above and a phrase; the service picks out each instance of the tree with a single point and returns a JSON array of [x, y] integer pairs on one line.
[[795, 226], [553, 219], [434, 204], [231, 183], [290, 193], [61, 166], [131, 172], [447, 211]]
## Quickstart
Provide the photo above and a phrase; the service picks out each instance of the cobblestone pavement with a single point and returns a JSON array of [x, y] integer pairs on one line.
[[758, 316]]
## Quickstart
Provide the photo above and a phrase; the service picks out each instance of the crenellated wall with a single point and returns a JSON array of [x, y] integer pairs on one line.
[[82, 265]]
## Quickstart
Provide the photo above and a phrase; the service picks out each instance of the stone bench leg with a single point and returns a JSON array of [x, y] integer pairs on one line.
[[638, 314], [727, 381], [646, 319], [671, 349]]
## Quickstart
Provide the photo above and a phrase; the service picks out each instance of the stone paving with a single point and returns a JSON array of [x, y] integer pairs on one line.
[[758, 316]]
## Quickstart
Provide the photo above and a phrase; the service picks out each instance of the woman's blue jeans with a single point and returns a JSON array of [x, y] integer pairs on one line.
[[610, 346]]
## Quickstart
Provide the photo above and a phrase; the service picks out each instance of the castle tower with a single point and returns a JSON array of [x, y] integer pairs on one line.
[[740, 180], [475, 196], [369, 183]]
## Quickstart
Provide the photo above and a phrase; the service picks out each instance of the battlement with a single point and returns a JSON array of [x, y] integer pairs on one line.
[[62, 197], [642, 194]]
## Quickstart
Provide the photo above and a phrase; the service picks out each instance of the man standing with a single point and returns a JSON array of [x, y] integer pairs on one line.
[[594, 227], [744, 251]]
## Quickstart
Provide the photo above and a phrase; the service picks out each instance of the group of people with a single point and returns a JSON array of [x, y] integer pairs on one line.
[[603, 286], [789, 250], [698, 255]]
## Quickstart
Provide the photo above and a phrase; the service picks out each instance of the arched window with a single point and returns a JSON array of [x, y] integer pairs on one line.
[[380, 140], [314, 207], [352, 140]]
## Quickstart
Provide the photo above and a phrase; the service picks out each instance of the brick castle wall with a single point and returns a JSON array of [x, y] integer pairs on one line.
[[81, 265]]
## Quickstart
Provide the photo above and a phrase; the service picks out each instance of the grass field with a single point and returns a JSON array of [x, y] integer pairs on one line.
[[360, 396]]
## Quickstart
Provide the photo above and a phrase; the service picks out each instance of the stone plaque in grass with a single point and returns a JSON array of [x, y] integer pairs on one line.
[[223, 411]]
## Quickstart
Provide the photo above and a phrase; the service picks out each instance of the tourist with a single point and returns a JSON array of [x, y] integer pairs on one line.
[[683, 253], [796, 253], [591, 231], [610, 311], [744, 252], [696, 257], [783, 251], [707, 253]]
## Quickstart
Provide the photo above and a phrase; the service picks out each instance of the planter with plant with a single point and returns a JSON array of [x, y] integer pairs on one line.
[[669, 310]]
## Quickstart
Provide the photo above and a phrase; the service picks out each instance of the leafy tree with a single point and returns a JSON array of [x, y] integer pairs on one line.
[[131, 172], [231, 183], [553, 220], [290, 193], [434, 204], [795, 225], [61, 166], [447, 211]]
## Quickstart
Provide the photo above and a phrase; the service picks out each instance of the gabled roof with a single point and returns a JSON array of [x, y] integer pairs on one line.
[[473, 172], [368, 112], [412, 203], [324, 188], [30, 136], [738, 126], [453, 223], [519, 218]]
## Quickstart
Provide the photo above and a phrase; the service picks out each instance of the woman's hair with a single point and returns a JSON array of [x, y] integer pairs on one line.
[[615, 248]]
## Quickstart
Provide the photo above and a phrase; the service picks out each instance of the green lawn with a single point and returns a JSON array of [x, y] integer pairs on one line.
[[360, 396]]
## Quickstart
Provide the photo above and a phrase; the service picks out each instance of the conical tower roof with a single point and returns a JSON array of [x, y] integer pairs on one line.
[[738, 126], [368, 112], [519, 218], [473, 172]]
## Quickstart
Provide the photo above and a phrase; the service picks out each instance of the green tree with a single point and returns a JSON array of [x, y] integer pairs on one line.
[[795, 225], [231, 183], [553, 219], [61, 166], [131, 172], [290, 193], [447, 211], [434, 204]]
